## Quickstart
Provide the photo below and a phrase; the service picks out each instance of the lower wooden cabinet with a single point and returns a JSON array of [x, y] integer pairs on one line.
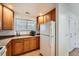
[[38, 42], [9, 49], [19, 46], [26, 45], [33, 43]]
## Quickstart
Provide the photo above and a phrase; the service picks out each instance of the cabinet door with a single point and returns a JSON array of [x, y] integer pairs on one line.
[[38, 42], [26, 45], [48, 16], [0, 16], [45, 19], [33, 43], [7, 19], [53, 15], [17, 46], [9, 49], [41, 20]]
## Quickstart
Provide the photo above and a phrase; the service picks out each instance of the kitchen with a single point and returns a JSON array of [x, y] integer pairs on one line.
[[39, 29], [21, 28]]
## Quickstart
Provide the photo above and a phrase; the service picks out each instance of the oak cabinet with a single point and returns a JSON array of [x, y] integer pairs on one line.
[[40, 20], [9, 49], [33, 43], [0, 17], [7, 19], [38, 42], [26, 45], [54, 15], [50, 16], [45, 18], [17, 46], [22, 45]]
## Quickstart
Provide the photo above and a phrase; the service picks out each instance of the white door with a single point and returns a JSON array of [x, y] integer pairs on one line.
[[72, 33]]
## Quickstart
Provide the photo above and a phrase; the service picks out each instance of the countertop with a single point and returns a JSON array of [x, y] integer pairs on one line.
[[4, 42]]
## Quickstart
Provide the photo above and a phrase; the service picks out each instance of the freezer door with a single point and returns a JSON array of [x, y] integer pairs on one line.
[[45, 28], [48, 28], [52, 28]]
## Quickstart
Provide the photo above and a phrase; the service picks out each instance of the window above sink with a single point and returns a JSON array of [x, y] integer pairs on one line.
[[24, 26]]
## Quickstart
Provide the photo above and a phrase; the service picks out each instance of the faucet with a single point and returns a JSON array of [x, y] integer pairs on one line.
[[17, 33]]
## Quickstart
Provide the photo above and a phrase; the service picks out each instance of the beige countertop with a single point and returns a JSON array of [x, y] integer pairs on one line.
[[4, 42]]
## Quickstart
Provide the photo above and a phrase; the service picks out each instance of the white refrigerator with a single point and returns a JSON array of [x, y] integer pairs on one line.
[[47, 39]]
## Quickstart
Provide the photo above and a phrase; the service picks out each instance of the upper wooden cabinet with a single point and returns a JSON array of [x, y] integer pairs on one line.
[[40, 20], [6, 18], [50, 16], [53, 15], [0, 17], [45, 18]]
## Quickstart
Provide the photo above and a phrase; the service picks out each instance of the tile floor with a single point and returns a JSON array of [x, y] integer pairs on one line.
[[33, 53], [75, 52]]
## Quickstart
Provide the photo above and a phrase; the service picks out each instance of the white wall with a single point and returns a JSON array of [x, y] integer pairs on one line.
[[66, 31], [7, 32]]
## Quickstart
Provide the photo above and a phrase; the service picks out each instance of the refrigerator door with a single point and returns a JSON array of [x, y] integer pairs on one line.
[[52, 42], [52, 28], [45, 45], [47, 39]]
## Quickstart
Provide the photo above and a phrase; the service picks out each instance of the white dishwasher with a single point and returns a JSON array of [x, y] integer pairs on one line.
[[3, 51]]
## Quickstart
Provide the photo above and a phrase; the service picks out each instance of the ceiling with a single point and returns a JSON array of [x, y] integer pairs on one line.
[[33, 8]]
